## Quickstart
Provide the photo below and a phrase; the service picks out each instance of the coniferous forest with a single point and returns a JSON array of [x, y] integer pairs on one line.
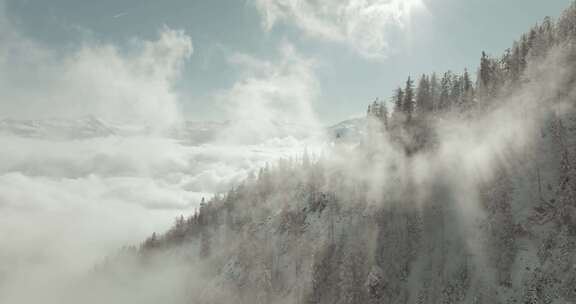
[[462, 189], [456, 187]]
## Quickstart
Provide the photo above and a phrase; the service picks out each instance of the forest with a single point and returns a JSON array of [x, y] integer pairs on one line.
[[462, 189]]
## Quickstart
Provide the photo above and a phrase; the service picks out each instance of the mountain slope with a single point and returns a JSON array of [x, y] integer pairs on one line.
[[470, 202]]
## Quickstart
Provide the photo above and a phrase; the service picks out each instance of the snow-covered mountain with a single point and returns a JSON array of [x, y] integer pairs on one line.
[[348, 130], [190, 132], [470, 198], [464, 194], [87, 127]]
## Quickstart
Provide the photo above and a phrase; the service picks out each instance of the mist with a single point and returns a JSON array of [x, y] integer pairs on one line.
[[108, 193], [97, 154], [350, 190]]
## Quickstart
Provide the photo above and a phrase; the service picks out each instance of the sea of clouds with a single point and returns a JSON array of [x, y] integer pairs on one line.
[[97, 154]]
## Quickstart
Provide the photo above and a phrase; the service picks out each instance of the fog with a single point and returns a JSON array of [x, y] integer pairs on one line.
[[97, 154]]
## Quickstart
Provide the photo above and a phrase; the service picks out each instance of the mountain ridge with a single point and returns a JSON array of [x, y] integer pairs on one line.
[[465, 195]]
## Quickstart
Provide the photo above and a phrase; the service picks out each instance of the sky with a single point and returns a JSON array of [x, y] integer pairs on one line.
[[356, 50]]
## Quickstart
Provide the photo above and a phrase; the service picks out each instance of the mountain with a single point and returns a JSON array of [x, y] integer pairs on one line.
[[465, 193], [92, 127], [348, 130], [188, 132], [87, 127]]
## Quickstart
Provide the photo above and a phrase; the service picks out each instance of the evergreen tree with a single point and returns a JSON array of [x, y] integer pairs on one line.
[[375, 107], [567, 23], [408, 104], [399, 101], [506, 63], [524, 49], [544, 38], [445, 86], [383, 115], [467, 82], [456, 91], [515, 63], [468, 90], [485, 75], [423, 96], [151, 242], [379, 112], [434, 92], [532, 38]]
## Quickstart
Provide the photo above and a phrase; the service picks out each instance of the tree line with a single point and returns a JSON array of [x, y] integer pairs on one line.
[[459, 92]]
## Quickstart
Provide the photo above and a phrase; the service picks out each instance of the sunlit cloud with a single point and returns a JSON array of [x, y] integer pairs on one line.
[[272, 98], [99, 79], [367, 26], [80, 127]]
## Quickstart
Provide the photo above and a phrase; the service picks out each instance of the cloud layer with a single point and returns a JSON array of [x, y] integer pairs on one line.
[[130, 84], [272, 99], [367, 26], [115, 162]]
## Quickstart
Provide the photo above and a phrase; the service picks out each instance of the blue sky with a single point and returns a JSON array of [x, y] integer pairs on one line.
[[356, 58]]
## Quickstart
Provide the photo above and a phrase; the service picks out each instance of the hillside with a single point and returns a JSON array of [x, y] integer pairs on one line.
[[464, 193]]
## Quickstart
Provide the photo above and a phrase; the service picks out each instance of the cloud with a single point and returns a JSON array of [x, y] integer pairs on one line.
[[367, 26], [272, 99], [66, 204], [134, 83], [74, 189]]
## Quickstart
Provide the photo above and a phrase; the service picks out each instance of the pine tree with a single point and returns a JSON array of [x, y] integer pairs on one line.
[[423, 96], [383, 115], [524, 49], [532, 38], [468, 90], [515, 63], [151, 242], [485, 75], [544, 38], [408, 104], [567, 23], [445, 86], [456, 90], [434, 92], [375, 107], [467, 82], [506, 63], [398, 101]]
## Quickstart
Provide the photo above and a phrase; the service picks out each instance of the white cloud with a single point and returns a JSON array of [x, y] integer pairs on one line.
[[93, 79], [367, 26], [74, 190], [272, 99], [66, 204]]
